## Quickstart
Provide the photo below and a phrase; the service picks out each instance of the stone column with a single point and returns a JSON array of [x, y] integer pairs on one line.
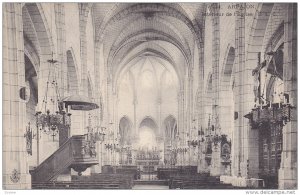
[[15, 166], [288, 166], [216, 161], [245, 142], [181, 118], [159, 102], [135, 126], [83, 16], [160, 135], [61, 46], [200, 99], [62, 59], [116, 133], [190, 116]]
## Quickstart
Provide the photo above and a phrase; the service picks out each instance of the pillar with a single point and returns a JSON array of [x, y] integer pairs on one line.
[[288, 167], [245, 140], [15, 166], [180, 100], [216, 152]]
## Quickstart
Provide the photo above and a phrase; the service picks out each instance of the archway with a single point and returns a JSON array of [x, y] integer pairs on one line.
[[38, 48], [72, 80], [31, 103], [148, 153], [270, 134], [39, 45], [147, 134], [227, 109], [125, 130], [170, 141]]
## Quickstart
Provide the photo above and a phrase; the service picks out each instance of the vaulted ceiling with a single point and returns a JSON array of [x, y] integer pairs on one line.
[[131, 31]]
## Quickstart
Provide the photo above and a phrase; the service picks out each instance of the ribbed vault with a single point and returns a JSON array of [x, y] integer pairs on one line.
[[129, 31]]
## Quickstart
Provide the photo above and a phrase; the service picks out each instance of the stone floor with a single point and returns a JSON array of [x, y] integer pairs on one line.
[[150, 187]]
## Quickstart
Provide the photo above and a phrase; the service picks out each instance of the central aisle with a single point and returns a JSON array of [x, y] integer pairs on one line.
[[150, 187]]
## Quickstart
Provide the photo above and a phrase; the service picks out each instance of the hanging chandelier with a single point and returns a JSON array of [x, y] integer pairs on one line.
[[47, 122], [96, 133], [50, 124]]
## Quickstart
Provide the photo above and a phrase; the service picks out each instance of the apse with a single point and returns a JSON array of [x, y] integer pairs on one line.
[[147, 138], [147, 86], [147, 134]]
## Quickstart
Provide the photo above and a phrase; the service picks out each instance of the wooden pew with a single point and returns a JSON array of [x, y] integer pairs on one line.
[[197, 181], [95, 181]]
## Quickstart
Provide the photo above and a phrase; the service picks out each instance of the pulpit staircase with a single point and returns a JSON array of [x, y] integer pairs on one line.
[[77, 153]]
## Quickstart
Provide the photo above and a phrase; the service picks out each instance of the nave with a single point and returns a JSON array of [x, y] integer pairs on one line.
[[134, 95]]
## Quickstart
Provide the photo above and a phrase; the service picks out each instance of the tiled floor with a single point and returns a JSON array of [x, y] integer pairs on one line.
[[150, 187]]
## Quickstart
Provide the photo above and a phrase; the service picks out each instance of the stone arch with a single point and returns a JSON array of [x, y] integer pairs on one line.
[[149, 122], [41, 29], [170, 128], [257, 33], [119, 12], [150, 35], [170, 133], [254, 140], [161, 9], [155, 52], [31, 53], [276, 40], [226, 115], [227, 68], [275, 43], [31, 64], [31, 80], [125, 130], [72, 78], [275, 80], [171, 28], [37, 34]]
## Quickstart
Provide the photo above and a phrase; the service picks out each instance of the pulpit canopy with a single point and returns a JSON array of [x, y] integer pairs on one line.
[[79, 102]]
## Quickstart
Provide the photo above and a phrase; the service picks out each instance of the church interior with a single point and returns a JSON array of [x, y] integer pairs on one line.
[[120, 95]]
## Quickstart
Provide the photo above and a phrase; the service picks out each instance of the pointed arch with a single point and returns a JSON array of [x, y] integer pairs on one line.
[[227, 69], [125, 130], [41, 28], [72, 78], [170, 127], [149, 121]]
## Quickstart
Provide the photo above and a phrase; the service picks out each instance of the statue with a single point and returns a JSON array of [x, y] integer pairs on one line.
[[256, 77]]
